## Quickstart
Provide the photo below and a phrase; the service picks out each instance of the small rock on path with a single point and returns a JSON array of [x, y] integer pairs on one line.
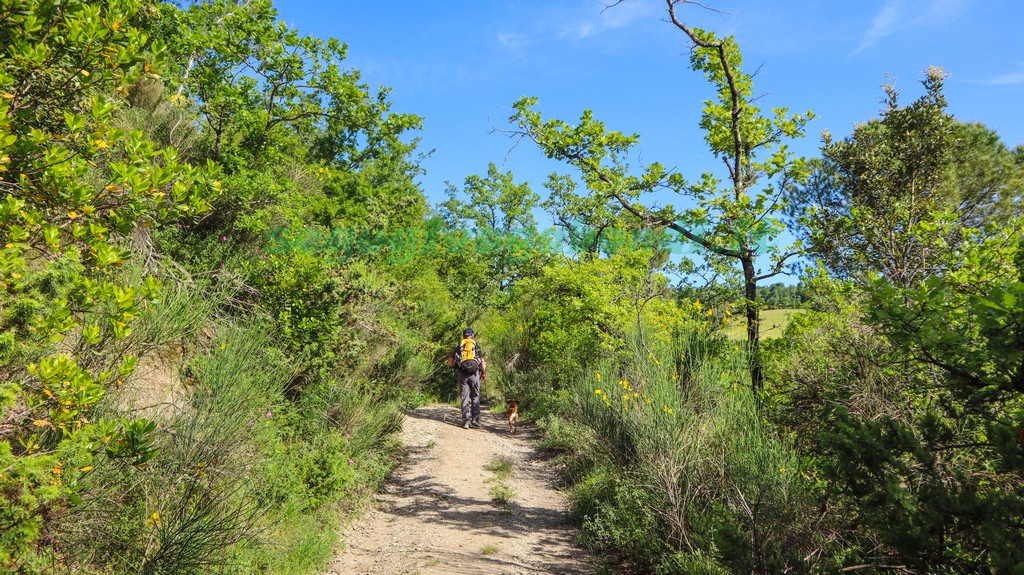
[[436, 515]]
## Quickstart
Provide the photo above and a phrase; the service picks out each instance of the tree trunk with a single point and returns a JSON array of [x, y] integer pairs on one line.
[[753, 324]]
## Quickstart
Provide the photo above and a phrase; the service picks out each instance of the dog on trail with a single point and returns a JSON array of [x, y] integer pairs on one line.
[[513, 416]]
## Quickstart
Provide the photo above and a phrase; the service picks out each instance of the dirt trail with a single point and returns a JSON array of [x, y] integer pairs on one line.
[[436, 515]]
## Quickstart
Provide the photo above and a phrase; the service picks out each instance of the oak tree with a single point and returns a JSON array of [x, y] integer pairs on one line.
[[735, 219]]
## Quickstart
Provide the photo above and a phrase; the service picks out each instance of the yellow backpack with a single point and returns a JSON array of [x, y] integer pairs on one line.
[[465, 358]]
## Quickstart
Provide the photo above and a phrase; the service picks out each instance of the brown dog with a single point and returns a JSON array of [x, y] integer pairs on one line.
[[513, 416]]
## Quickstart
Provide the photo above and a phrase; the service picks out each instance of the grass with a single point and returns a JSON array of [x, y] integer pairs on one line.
[[680, 449], [773, 322], [500, 492], [489, 549], [501, 468]]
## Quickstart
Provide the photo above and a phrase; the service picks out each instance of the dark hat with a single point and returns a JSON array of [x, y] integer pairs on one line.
[[468, 332]]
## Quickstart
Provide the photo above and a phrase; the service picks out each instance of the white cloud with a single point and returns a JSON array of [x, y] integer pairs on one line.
[[1008, 79], [511, 39], [596, 17], [942, 12], [884, 24], [901, 15]]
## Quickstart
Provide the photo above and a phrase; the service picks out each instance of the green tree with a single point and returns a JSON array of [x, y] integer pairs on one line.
[[736, 222], [302, 140], [939, 484], [500, 213], [895, 196], [74, 188], [921, 381]]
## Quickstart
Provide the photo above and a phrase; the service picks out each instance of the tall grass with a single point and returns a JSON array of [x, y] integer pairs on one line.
[[183, 511], [249, 478], [684, 474]]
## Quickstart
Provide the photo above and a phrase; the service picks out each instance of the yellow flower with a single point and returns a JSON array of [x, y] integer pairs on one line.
[[72, 214], [597, 391], [154, 519], [635, 394], [598, 374], [101, 144]]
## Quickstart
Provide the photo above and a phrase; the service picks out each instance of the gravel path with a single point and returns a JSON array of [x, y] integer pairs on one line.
[[436, 515]]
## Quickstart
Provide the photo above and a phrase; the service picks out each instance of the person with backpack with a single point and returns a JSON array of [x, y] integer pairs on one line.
[[470, 369]]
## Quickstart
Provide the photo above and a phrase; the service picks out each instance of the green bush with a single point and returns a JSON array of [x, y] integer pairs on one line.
[[684, 470]]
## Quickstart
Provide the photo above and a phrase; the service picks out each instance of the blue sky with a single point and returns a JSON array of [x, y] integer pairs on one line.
[[461, 63]]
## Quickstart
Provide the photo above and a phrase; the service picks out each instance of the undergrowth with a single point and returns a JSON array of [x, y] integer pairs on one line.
[[672, 469]]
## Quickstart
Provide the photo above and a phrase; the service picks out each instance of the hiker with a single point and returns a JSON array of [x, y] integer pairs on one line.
[[470, 369]]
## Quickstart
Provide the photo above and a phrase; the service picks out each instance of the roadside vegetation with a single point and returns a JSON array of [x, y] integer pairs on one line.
[[220, 285]]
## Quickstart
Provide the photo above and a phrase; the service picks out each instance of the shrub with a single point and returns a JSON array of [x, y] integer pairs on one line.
[[692, 475]]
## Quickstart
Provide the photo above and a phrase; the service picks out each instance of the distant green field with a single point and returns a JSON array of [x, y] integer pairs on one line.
[[773, 321]]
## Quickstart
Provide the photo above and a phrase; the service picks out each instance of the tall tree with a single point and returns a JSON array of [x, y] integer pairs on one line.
[[500, 212], [300, 136], [736, 222], [898, 194], [494, 202]]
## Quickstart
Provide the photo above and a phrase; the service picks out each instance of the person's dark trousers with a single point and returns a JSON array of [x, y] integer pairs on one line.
[[469, 385]]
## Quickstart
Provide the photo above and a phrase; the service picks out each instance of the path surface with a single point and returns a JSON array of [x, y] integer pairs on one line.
[[436, 515]]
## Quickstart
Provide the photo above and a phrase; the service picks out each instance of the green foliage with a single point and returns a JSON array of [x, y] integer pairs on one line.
[[781, 296], [915, 363], [58, 55], [303, 299], [301, 139], [248, 430], [684, 471], [75, 188], [738, 222], [492, 203], [506, 236], [909, 416], [202, 366], [898, 196], [967, 326], [501, 494]]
